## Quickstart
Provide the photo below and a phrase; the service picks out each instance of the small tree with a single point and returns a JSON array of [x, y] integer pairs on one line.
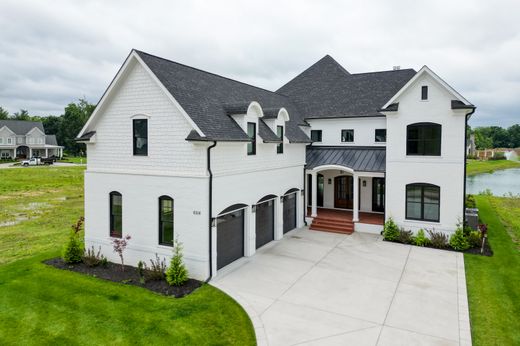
[[177, 274], [390, 231], [73, 250], [119, 245], [458, 241]]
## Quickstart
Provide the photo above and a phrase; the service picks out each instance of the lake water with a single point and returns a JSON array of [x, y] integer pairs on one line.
[[499, 182]]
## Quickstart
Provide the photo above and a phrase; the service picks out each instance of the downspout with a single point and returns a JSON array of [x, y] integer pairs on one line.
[[305, 192], [210, 214], [468, 115]]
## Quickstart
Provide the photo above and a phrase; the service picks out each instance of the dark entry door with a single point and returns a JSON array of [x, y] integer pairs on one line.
[[319, 198], [343, 192], [378, 194], [289, 212], [230, 238], [264, 223]]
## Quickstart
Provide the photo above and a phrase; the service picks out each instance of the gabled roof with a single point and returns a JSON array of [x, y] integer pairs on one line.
[[21, 127], [51, 140], [208, 99], [327, 90]]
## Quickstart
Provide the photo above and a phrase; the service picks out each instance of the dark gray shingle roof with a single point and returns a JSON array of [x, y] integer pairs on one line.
[[327, 90], [209, 98], [363, 159], [51, 140], [21, 127]]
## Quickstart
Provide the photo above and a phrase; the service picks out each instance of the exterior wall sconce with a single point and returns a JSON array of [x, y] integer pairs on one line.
[[364, 183], [329, 181]]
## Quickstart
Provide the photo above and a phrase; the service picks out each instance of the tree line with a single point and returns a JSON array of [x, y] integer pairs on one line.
[[66, 126], [489, 137]]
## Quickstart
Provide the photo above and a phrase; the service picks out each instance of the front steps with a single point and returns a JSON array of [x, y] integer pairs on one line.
[[328, 224]]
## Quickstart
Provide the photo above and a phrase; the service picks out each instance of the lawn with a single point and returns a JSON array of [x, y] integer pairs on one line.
[[494, 282], [476, 167], [43, 305], [74, 159]]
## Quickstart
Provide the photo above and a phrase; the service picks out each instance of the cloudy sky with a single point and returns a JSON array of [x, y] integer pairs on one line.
[[54, 52]]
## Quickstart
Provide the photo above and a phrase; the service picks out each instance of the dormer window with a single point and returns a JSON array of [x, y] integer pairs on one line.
[[424, 93], [251, 133], [279, 133], [316, 135], [140, 130]]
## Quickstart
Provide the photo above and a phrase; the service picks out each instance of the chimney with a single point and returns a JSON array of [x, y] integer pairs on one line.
[[397, 68]]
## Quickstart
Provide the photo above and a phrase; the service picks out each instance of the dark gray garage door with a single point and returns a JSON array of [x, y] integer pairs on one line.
[[289, 212], [230, 238], [264, 223]]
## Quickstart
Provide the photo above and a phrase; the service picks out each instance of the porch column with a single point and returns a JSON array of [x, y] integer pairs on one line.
[[314, 202], [14, 154], [250, 243], [30, 153], [46, 152], [355, 217]]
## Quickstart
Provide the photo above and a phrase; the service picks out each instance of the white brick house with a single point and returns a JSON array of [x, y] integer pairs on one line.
[[25, 139], [228, 167]]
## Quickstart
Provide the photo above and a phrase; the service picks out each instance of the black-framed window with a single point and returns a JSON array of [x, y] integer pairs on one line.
[[347, 135], [423, 139], [279, 133], [166, 220], [140, 134], [316, 135], [424, 92], [423, 202], [380, 135], [251, 132], [116, 214]]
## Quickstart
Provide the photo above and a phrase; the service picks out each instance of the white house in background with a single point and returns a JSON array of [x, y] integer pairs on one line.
[[228, 167], [25, 139]]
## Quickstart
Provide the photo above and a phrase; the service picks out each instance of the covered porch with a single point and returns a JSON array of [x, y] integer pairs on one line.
[[345, 188]]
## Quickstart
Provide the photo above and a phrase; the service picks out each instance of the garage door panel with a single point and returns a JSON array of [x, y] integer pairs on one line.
[[264, 223], [230, 238], [289, 212]]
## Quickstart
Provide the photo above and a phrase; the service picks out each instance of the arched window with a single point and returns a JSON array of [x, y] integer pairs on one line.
[[423, 139], [423, 202], [166, 221], [116, 214]]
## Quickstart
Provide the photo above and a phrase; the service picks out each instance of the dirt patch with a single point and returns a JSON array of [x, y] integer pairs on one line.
[[129, 276]]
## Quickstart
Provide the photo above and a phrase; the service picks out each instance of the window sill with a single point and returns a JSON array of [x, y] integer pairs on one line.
[[164, 246], [422, 221]]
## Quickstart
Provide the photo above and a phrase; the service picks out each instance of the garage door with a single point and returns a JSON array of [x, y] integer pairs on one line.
[[289, 212], [230, 238], [264, 223]]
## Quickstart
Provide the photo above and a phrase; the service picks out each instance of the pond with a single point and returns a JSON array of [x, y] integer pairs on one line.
[[499, 182]]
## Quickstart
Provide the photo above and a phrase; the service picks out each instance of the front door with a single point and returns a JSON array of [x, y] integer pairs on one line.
[[343, 192], [378, 194]]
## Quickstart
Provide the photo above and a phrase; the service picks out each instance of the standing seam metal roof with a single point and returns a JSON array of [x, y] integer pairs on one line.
[[363, 159]]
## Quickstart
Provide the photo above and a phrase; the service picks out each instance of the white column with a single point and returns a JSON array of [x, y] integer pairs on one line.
[[356, 199], [30, 153], [314, 202], [14, 153], [278, 217], [46, 152], [301, 208], [250, 238]]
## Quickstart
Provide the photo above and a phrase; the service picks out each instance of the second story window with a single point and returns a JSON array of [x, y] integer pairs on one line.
[[423, 139], [9, 140], [424, 93], [380, 135], [347, 136], [251, 133], [316, 135], [140, 129], [279, 133]]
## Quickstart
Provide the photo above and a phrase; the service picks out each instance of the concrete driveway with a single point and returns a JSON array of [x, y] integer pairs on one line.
[[318, 288]]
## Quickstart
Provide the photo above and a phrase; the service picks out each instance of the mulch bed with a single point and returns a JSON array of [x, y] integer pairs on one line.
[[129, 276], [474, 251]]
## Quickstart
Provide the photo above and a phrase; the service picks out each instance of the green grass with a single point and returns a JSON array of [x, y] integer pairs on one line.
[[43, 305], [494, 282], [74, 159], [477, 167]]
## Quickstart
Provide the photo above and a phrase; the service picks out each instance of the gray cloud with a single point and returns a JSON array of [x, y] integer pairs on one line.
[[54, 52]]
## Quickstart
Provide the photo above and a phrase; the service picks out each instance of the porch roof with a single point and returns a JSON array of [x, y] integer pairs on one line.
[[363, 159]]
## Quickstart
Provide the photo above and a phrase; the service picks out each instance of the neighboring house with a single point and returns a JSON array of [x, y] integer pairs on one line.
[[26, 139], [228, 167]]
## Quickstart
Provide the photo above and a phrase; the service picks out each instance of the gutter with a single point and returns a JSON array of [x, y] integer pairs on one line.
[[304, 195], [468, 115], [210, 214]]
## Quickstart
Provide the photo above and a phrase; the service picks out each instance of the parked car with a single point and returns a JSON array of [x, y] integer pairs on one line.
[[36, 161]]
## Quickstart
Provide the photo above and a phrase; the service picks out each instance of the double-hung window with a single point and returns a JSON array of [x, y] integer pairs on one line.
[[251, 133], [279, 133], [140, 137]]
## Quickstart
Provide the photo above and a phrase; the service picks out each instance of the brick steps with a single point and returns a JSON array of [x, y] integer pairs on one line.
[[332, 225]]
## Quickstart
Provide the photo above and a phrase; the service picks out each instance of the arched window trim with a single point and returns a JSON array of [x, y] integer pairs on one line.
[[421, 149], [163, 222], [422, 203], [114, 215]]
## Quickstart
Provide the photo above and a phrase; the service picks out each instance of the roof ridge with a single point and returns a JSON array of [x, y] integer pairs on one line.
[[372, 72], [204, 71]]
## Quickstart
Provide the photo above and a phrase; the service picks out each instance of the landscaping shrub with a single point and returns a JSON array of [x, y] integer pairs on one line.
[[177, 274], [470, 201], [475, 239], [91, 258], [438, 240], [390, 230], [498, 156], [73, 250], [119, 245], [405, 237], [420, 238], [157, 269], [458, 241]]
